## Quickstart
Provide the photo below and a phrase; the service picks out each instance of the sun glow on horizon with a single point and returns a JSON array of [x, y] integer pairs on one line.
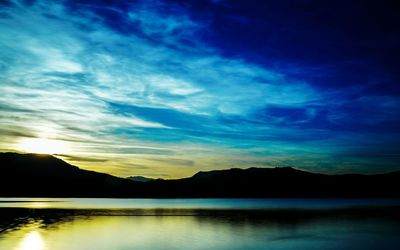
[[43, 146]]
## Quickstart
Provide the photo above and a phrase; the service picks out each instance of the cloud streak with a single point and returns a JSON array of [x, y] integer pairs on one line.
[[131, 80]]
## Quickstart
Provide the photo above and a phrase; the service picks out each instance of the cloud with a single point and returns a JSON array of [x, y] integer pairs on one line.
[[136, 79], [174, 161], [80, 159]]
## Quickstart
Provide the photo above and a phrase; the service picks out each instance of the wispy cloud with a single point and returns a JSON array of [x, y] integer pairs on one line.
[[130, 80]]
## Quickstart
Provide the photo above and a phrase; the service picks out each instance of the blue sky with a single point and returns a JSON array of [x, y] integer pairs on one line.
[[168, 88]]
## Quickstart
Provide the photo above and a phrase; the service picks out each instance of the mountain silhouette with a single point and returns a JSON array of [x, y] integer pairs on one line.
[[279, 182], [47, 176], [140, 178], [33, 175]]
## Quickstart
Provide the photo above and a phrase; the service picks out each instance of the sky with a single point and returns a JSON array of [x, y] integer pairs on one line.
[[165, 89]]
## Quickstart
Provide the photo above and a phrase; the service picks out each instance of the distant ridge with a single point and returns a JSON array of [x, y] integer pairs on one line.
[[32, 175], [140, 178], [47, 176], [281, 182]]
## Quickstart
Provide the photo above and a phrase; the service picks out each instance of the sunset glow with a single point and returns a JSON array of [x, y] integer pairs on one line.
[[43, 146], [166, 88]]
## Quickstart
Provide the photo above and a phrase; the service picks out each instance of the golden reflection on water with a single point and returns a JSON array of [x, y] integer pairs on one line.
[[32, 241], [39, 204], [160, 230], [118, 232]]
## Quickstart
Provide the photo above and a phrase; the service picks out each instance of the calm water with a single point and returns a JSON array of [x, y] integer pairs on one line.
[[122, 224]]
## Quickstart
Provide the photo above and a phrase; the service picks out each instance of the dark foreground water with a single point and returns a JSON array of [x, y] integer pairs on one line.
[[122, 224]]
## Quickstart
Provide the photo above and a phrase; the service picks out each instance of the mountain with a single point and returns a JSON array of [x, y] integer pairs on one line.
[[47, 176], [279, 182], [140, 178]]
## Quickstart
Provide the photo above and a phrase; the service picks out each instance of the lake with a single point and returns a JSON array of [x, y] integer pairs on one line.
[[122, 224]]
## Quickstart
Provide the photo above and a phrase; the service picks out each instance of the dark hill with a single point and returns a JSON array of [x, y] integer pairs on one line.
[[140, 178], [46, 176], [278, 182]]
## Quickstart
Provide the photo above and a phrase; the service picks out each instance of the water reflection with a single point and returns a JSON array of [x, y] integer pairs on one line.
[[46, 229], [32, 241], [105, 203]]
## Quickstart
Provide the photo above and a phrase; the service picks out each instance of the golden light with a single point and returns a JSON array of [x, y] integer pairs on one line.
[[43, 146], [32, 241]]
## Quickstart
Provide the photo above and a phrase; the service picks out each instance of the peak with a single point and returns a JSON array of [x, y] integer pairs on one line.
[[33, 159], [140, 178], [36, 155]]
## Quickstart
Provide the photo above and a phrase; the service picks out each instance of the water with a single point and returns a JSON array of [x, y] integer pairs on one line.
[[104, 203], [122, 224]]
